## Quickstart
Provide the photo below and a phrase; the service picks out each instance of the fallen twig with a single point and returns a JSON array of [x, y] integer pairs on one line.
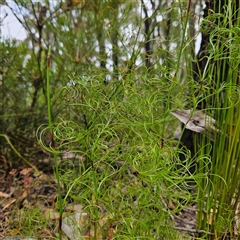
[[19, 155], [191, 230]]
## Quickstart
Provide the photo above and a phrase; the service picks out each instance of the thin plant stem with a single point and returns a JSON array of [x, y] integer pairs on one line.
[[59, 200]]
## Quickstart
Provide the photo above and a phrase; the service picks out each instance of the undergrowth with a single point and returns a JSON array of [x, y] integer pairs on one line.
[[115, 155], [125, 168], [219, 195]]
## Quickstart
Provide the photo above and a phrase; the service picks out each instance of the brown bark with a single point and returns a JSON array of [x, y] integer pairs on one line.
[[147, 23]]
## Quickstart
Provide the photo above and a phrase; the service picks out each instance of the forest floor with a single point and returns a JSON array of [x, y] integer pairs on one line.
[[27, 197]]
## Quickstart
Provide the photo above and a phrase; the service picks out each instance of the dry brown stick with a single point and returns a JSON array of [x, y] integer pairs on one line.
[[192, 230]]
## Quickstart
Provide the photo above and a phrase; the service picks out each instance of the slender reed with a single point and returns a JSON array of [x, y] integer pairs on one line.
[[50, 125]]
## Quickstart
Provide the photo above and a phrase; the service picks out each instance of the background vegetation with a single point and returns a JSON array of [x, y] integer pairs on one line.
[[118, 68]]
